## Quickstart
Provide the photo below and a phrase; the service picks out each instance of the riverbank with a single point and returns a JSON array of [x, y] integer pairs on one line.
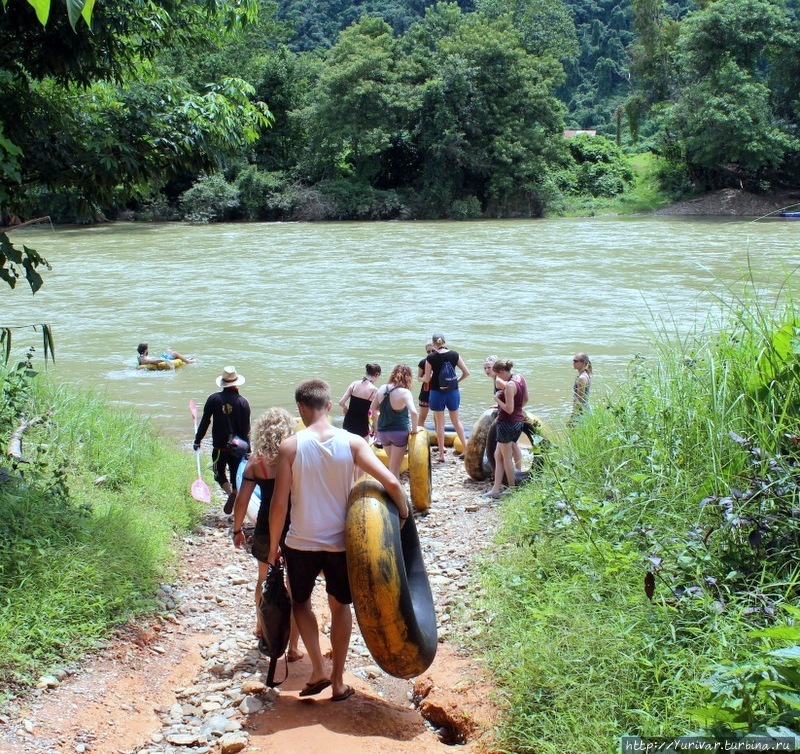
[[191, 680], [735, 202]]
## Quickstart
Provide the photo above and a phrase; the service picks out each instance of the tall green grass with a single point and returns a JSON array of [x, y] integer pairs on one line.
[[645, 195], [658, 535], [86, 528]]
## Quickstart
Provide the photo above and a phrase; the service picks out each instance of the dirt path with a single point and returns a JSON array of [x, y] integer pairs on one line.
[[192, 681]]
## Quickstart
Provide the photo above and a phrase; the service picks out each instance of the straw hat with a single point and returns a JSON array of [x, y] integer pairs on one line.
[[230, 378]]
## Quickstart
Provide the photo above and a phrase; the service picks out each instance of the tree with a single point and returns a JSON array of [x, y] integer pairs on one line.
[[351, 117], [83, 134], [546, 27], [489, 125], [285, 79], [726, 118], [68, 125], [732, 101]]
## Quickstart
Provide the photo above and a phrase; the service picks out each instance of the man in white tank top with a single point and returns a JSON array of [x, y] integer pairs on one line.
[[316, 466]]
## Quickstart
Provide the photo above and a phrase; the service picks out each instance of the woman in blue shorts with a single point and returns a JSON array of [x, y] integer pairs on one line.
[[448, 398]]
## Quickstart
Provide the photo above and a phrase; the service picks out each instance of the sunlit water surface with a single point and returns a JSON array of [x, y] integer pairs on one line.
[[283, 302]]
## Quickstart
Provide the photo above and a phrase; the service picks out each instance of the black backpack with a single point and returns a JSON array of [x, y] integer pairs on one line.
[[276, 610], [448, 380]]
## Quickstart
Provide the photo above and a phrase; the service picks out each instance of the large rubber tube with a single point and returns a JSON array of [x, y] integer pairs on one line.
[[476, 446], [479, 460], [419, 470], [162, 365], [450, 437], [383, 457], [391, 594], [532, 430]]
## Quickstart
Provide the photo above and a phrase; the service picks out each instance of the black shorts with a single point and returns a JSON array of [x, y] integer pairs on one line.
[[222, 462], [509, 431], [305, 565]]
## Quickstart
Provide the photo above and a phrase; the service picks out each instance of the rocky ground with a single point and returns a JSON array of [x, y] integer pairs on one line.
[[191, 679], [735, 202]]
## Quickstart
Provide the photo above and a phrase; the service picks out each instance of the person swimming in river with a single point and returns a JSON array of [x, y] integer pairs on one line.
[[360, 394], [168, 355]]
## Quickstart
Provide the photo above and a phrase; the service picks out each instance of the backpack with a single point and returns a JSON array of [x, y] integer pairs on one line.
[[275, 608], [448, 380]]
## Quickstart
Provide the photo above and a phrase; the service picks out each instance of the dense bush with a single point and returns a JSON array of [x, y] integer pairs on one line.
[[262, 195], [354, 201], [212, 198], [598, 168], [661, 533]]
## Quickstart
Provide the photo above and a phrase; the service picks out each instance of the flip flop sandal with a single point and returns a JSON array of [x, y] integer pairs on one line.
[[346, 694], [312, 689]]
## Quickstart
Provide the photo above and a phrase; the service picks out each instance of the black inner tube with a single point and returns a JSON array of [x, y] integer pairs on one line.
[[416, 602], [491, 446]]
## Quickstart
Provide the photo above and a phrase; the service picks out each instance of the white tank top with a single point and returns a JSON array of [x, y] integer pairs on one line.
[[322, 474]]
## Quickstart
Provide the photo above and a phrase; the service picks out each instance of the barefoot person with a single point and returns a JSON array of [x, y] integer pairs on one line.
[[316, 465], [397, 417], [270, 429], [497, 385], [510, 422], [442, 396]]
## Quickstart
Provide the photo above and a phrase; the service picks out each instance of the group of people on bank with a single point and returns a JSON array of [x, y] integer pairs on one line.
[[305, 476]]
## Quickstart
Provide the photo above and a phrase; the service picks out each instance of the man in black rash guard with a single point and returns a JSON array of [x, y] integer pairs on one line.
[[231, 414]]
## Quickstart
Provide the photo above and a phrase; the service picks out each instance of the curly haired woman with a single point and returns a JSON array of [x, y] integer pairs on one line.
[[271, 428]]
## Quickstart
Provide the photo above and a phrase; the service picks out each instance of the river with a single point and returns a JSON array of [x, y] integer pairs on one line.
[[287, 301]]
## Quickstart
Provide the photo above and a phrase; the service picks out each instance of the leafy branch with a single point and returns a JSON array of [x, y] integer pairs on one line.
[[47, 341]]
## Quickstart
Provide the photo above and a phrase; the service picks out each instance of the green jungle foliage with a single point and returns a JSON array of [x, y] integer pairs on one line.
[[423, 109], [317, 23], [650, 573], [89, 517]]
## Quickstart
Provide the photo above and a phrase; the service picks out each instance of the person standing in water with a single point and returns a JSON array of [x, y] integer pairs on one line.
[[582, 385], [360, 394]]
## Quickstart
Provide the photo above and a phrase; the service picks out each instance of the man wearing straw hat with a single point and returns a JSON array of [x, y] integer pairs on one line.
[[231, 428]]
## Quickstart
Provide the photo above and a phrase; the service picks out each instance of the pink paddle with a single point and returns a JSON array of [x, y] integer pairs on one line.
[[200, 491]]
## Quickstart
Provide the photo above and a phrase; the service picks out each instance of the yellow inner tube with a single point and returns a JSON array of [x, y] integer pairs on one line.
[[390, 588], [419, 470], [383, 456], [162, 365], [478, 443]]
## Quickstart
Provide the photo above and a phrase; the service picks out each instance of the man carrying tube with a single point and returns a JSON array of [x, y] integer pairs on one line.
[[316, 466]]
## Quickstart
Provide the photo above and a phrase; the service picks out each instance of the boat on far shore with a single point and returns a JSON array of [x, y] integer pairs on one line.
[[790, 215]]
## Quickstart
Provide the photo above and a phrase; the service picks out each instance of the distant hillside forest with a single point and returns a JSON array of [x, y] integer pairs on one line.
[[379, 109]]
